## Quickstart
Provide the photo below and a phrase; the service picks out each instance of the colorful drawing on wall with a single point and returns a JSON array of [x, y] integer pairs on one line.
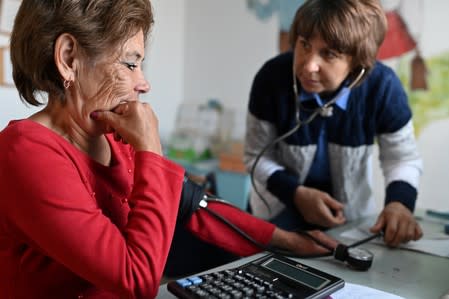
[[8, 10], [423, 79], [433, 103], [285, 9], [405, 20]]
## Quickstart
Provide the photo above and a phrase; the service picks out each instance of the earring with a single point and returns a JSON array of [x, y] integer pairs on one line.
[[67, 84]]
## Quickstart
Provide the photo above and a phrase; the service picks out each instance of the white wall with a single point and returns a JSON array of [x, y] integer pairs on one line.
[[434, 147], [225, 46], [164, 62], [434, 40]]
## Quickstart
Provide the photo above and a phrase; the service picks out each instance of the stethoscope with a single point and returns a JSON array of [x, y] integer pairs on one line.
[[325, 110], [355, 257]]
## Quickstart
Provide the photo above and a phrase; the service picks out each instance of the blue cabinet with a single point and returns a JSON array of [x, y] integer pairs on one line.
[[234, 187]]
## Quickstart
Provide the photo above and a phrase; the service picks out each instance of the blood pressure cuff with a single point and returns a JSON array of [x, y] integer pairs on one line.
[[191, 196]]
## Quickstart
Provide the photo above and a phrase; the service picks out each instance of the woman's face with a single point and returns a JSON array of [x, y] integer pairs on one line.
[[319, 68], [106, 83]]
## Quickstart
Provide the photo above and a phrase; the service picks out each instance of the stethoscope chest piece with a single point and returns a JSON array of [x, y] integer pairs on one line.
[[357, 258]]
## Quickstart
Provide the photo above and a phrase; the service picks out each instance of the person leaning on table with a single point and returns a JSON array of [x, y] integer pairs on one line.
[[321, 174], [89, 204]]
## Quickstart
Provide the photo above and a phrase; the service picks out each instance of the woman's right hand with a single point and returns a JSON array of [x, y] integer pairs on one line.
[[318, 207], [302, 245], [135, 123]]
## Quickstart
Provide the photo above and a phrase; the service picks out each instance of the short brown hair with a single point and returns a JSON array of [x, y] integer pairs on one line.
[[98, 26], [353, 27]]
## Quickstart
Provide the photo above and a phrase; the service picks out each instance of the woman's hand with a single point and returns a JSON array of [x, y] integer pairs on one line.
[[303, 245], [318, 207], [135, 123], [398, 224]]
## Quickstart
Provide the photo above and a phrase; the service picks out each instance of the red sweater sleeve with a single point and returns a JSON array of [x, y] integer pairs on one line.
[[52, 213], [210, 229]]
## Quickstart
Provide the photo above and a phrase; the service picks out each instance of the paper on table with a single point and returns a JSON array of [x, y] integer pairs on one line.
[[356, 291], [434, 243]]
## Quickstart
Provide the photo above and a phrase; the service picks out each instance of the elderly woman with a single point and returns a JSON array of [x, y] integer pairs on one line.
[[89, 204]]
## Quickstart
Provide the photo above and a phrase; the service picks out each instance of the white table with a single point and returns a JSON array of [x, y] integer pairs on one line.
[[409, 274]]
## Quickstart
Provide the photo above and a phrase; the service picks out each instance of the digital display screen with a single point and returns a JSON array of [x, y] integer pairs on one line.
[[300, 275]]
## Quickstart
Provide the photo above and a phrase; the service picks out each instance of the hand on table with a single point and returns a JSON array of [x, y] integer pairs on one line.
[[398, 224]]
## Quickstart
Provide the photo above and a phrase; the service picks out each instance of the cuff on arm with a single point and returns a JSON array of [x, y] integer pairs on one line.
[[213, 231]]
